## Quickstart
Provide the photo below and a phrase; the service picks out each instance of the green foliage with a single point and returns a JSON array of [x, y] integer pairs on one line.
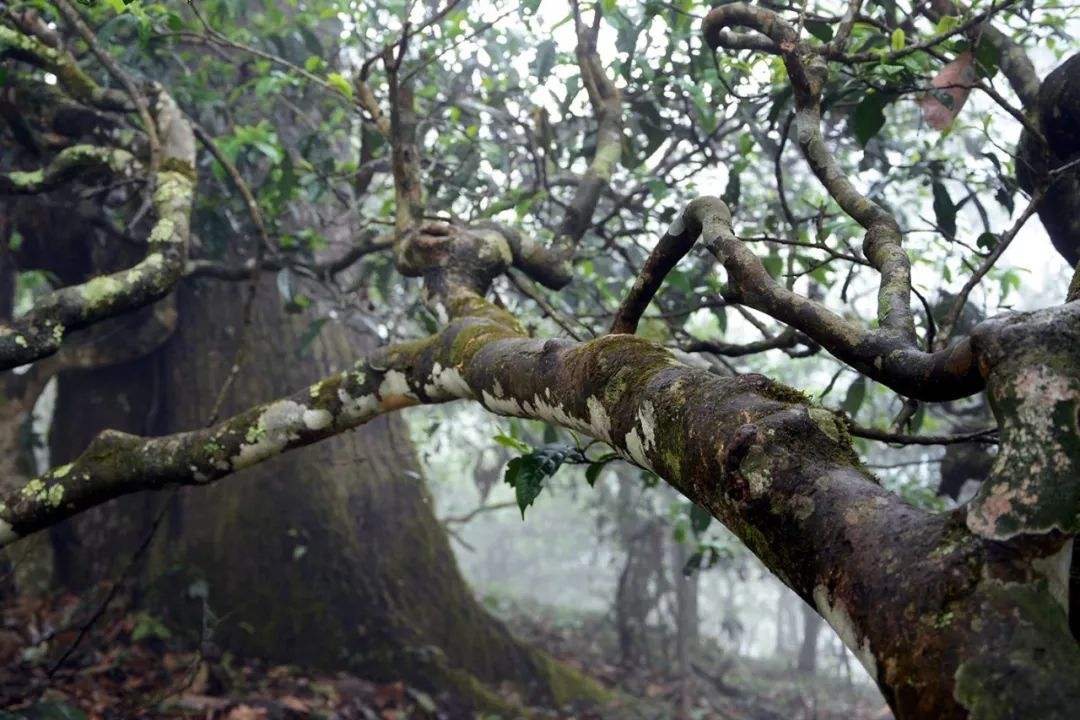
[[148, 627], [856, 393], [868, 117], [944, 210], [47, 710], [527, 473]]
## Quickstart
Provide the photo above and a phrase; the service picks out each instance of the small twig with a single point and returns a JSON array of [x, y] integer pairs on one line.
[[987, 436]]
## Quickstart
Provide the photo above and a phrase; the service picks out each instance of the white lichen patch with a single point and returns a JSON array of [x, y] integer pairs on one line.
[[642, 438], [599, 420], [55, 495], [447, 382], [551, 412], [278, 425], [395, 383], [101, 289], [163, 231], [33, 489], [317, 419], [357, 408], [501, 406], [840, 619], [755, 470]]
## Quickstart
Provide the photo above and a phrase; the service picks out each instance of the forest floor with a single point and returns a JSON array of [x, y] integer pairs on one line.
[[128, 665]]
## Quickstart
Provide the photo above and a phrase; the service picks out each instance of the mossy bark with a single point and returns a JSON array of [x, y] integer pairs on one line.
[[330, 557]]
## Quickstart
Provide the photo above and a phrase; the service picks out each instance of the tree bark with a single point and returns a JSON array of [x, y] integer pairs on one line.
[[329, 558]]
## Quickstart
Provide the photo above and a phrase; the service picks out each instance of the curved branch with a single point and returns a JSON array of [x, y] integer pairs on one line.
[[808, 73], [68, 164], [40, 332], [321, 268], [947, 374], [784, 341], [987, 436]]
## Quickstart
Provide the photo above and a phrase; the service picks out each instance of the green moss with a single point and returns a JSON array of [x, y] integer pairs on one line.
[[178, 165], [567, 685], [27, 180], [55, 495], [34, 488], [784, 393], [100, 291]]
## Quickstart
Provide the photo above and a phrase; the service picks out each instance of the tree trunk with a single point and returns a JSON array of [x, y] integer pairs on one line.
[[686, 624], [808, 650], [329, 558]]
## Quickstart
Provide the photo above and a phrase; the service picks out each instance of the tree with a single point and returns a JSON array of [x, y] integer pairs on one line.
[[961, 613]]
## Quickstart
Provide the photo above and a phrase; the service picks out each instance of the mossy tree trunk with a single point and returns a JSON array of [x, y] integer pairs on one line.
[[329, 558]]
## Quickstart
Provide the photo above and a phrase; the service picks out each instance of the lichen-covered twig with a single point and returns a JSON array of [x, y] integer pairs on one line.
[[60, 63], [40, 331], [68, 164]]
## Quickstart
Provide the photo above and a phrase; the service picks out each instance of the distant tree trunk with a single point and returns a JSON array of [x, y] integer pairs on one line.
[[686, 623], [330, 557], [635, 594], [808, 650]]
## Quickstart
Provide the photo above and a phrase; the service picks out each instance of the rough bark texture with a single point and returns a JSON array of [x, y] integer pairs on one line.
[[330, 557]]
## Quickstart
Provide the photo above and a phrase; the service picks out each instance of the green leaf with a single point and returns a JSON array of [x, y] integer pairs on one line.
[[856, 393], [700, 519], [592, 473], [148, 626], [987, 241], [774, 264], [339, 83], [309, 335], [944, 210], [897, 40], [526, 474], [868, 117], [987, 58], [821, 30], [513, 443], [48, 710], [693, 563], [545, 60]]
